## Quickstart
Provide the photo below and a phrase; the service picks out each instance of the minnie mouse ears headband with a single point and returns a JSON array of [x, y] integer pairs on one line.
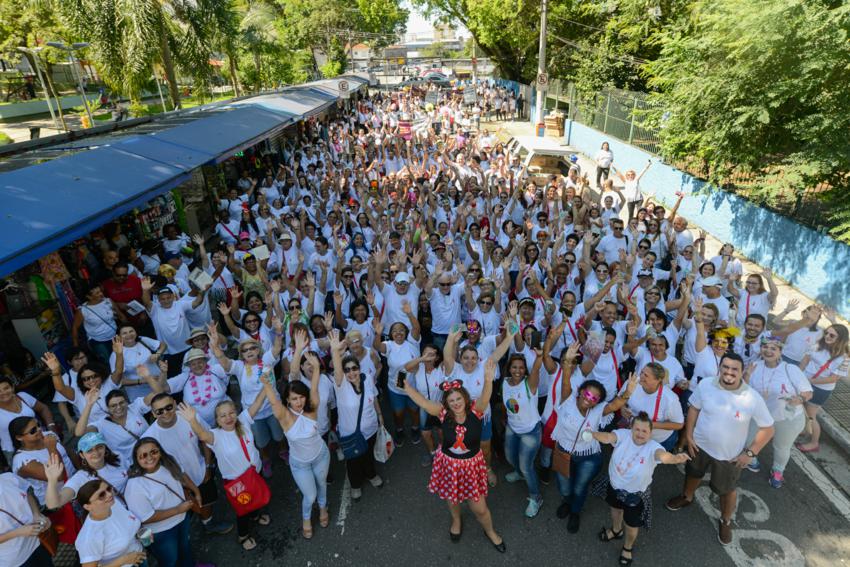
[[450, 385]]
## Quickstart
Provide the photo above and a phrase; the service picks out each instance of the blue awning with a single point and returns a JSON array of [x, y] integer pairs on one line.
[[52, 204]]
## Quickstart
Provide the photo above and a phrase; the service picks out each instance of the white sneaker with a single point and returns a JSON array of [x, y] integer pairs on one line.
[[376, 481], [356, 494], [533, 507]]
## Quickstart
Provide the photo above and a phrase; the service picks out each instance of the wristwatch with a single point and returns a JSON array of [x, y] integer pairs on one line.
[[750, 454]]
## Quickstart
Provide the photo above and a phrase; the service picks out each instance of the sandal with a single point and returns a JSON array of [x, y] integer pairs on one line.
[[324, 518], [248, 543], [492, 479], [604, 537], [307, 530], [626, 560], [264, 519]]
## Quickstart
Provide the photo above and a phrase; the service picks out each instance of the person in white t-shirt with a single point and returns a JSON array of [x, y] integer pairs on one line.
[[428, 374], [21, 525], [716, 432], [155, 494], [235, 451], [630, 470], [785, 389], [178, 439], [97, 462], [108, 536], [659, 402]]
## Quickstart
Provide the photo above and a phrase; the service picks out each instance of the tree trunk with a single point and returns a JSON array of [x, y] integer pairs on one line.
[[258, 67], [234, 77], [168, 66], [48, 75]]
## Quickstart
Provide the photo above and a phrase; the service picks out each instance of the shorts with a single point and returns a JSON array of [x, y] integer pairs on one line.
[[266, 429], [632, 515], [487, 429], [819, 396], [724, 474], [400, 402], [208, 490], [428, 421]]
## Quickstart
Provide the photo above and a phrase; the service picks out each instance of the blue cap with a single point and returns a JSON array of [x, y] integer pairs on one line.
[[89, 441]]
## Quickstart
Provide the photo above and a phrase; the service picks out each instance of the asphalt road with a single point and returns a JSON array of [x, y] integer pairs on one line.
[[807, 522]]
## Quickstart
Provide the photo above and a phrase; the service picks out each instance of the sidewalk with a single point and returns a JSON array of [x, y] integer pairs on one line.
[[835, 417]]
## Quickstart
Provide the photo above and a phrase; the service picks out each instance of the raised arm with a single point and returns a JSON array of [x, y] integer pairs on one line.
[[483, 401], [52, 363], [188, 413], [223, 360]]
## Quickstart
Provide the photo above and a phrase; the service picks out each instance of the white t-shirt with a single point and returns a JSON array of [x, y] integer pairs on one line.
[[250, 384], [724, 418], [393, 302], [326, 398], [42, 456], [202, 392], [397, 356], [669, 408], [611, 246], [446, 308], [6, 417], [521, 405], [102, 541], [570, 422], [229, 451], [121, 439], [778, 384], [116, 476], [181, 443], [607, 371], [632, 465], [706, 366], [758, 304], [136, 355], [13, 499], [144, 497], [822, 365], [675, 372], [348, 404], [428, 383], [799, 343], [171, 324]]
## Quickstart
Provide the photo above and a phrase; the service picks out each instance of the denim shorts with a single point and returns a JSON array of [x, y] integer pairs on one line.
[[266, 429], [487, 428], [400, 402]]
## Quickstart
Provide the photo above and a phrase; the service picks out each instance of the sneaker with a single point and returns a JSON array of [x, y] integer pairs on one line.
[[427, 460], [513, 476], [545, 475], [678, 502], [533, 508], [218, 528], [267, 468], [356, 494], [573, 523], [398, 438], [776, 479], [754, 466], [376, 481], [563, 510], [724, 532], [415, 436]]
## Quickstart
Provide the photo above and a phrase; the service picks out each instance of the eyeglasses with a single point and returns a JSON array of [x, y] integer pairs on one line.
[[117, 405], [151, 454], [104, 494], [351, 368], [163, 409]]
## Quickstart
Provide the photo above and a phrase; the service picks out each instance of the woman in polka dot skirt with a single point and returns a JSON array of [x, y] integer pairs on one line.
[[459, 473]]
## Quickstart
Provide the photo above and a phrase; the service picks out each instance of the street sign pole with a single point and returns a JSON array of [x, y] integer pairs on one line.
[[541, 73]]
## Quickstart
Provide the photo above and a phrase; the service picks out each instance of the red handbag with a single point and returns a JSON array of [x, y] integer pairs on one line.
[[550, 424], [66, 523], [249, 491]]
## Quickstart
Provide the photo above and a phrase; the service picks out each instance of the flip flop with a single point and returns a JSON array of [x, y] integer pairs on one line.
[[802, 449], [324, 519], [264, 519], [248, 543]]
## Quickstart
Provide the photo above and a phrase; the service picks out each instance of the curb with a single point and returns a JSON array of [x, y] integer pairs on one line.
[[837, 433]]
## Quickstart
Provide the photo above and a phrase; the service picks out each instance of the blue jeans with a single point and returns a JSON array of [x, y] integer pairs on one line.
[[265, 430], [171, 547], [401, 402], [520, 451], [311, 478], [583, 469], [670, 442]]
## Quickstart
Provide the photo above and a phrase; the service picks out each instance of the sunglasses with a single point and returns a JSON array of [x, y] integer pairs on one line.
[[351, 368], [117, 405], [249, 349], [294, 306], [152, 453], [347, 276], [104, 494], [590, 397], [33, 430], [163, 409], [482, 303], [643, 247], [444, 284], [88, 377]]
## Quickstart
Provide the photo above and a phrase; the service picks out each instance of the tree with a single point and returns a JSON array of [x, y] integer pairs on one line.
[[759, 87]]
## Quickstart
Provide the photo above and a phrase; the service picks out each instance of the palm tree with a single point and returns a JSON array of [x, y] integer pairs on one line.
[[128, 36]]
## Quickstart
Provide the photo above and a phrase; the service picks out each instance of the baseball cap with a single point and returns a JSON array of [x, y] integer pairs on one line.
[[711, 281], [244, 236], [644, 274], [402, 277], [170, 256], [90, 440], [164, 289]]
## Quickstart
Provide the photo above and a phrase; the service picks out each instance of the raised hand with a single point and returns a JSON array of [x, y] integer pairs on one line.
[[49, 359], [92, 396], [186, 411], [301, 340], [223, 308], [54, 468], [147, 284]]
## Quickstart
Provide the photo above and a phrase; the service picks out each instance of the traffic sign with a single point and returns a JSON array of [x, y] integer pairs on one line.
[[542, 80], [343, 86]]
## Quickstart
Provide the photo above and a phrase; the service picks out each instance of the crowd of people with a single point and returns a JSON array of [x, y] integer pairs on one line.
[[419, 281]]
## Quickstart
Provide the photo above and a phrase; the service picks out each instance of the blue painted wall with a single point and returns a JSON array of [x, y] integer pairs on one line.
[[812, 262]]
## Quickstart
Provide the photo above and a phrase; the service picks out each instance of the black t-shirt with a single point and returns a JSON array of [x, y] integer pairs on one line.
[[461, 440]]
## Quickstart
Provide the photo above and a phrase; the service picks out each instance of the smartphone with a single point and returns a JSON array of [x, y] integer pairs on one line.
[[402, 376], [536, 339]]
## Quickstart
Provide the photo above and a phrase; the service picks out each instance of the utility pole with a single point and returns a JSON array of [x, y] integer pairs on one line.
[[541, 71], [33, 52], [351, 52], [474, 64]]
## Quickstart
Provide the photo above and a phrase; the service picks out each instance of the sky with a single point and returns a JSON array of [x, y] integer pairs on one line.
[[416, 23]]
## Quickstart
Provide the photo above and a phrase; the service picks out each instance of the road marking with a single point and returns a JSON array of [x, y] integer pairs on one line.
[[344, 504], [824, 484]]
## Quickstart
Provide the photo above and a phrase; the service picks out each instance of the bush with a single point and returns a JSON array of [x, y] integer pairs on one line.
[[5, 139]]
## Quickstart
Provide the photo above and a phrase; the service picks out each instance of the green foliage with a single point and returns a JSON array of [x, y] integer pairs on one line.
[[440, 51], [760, 87], [5, 139]]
